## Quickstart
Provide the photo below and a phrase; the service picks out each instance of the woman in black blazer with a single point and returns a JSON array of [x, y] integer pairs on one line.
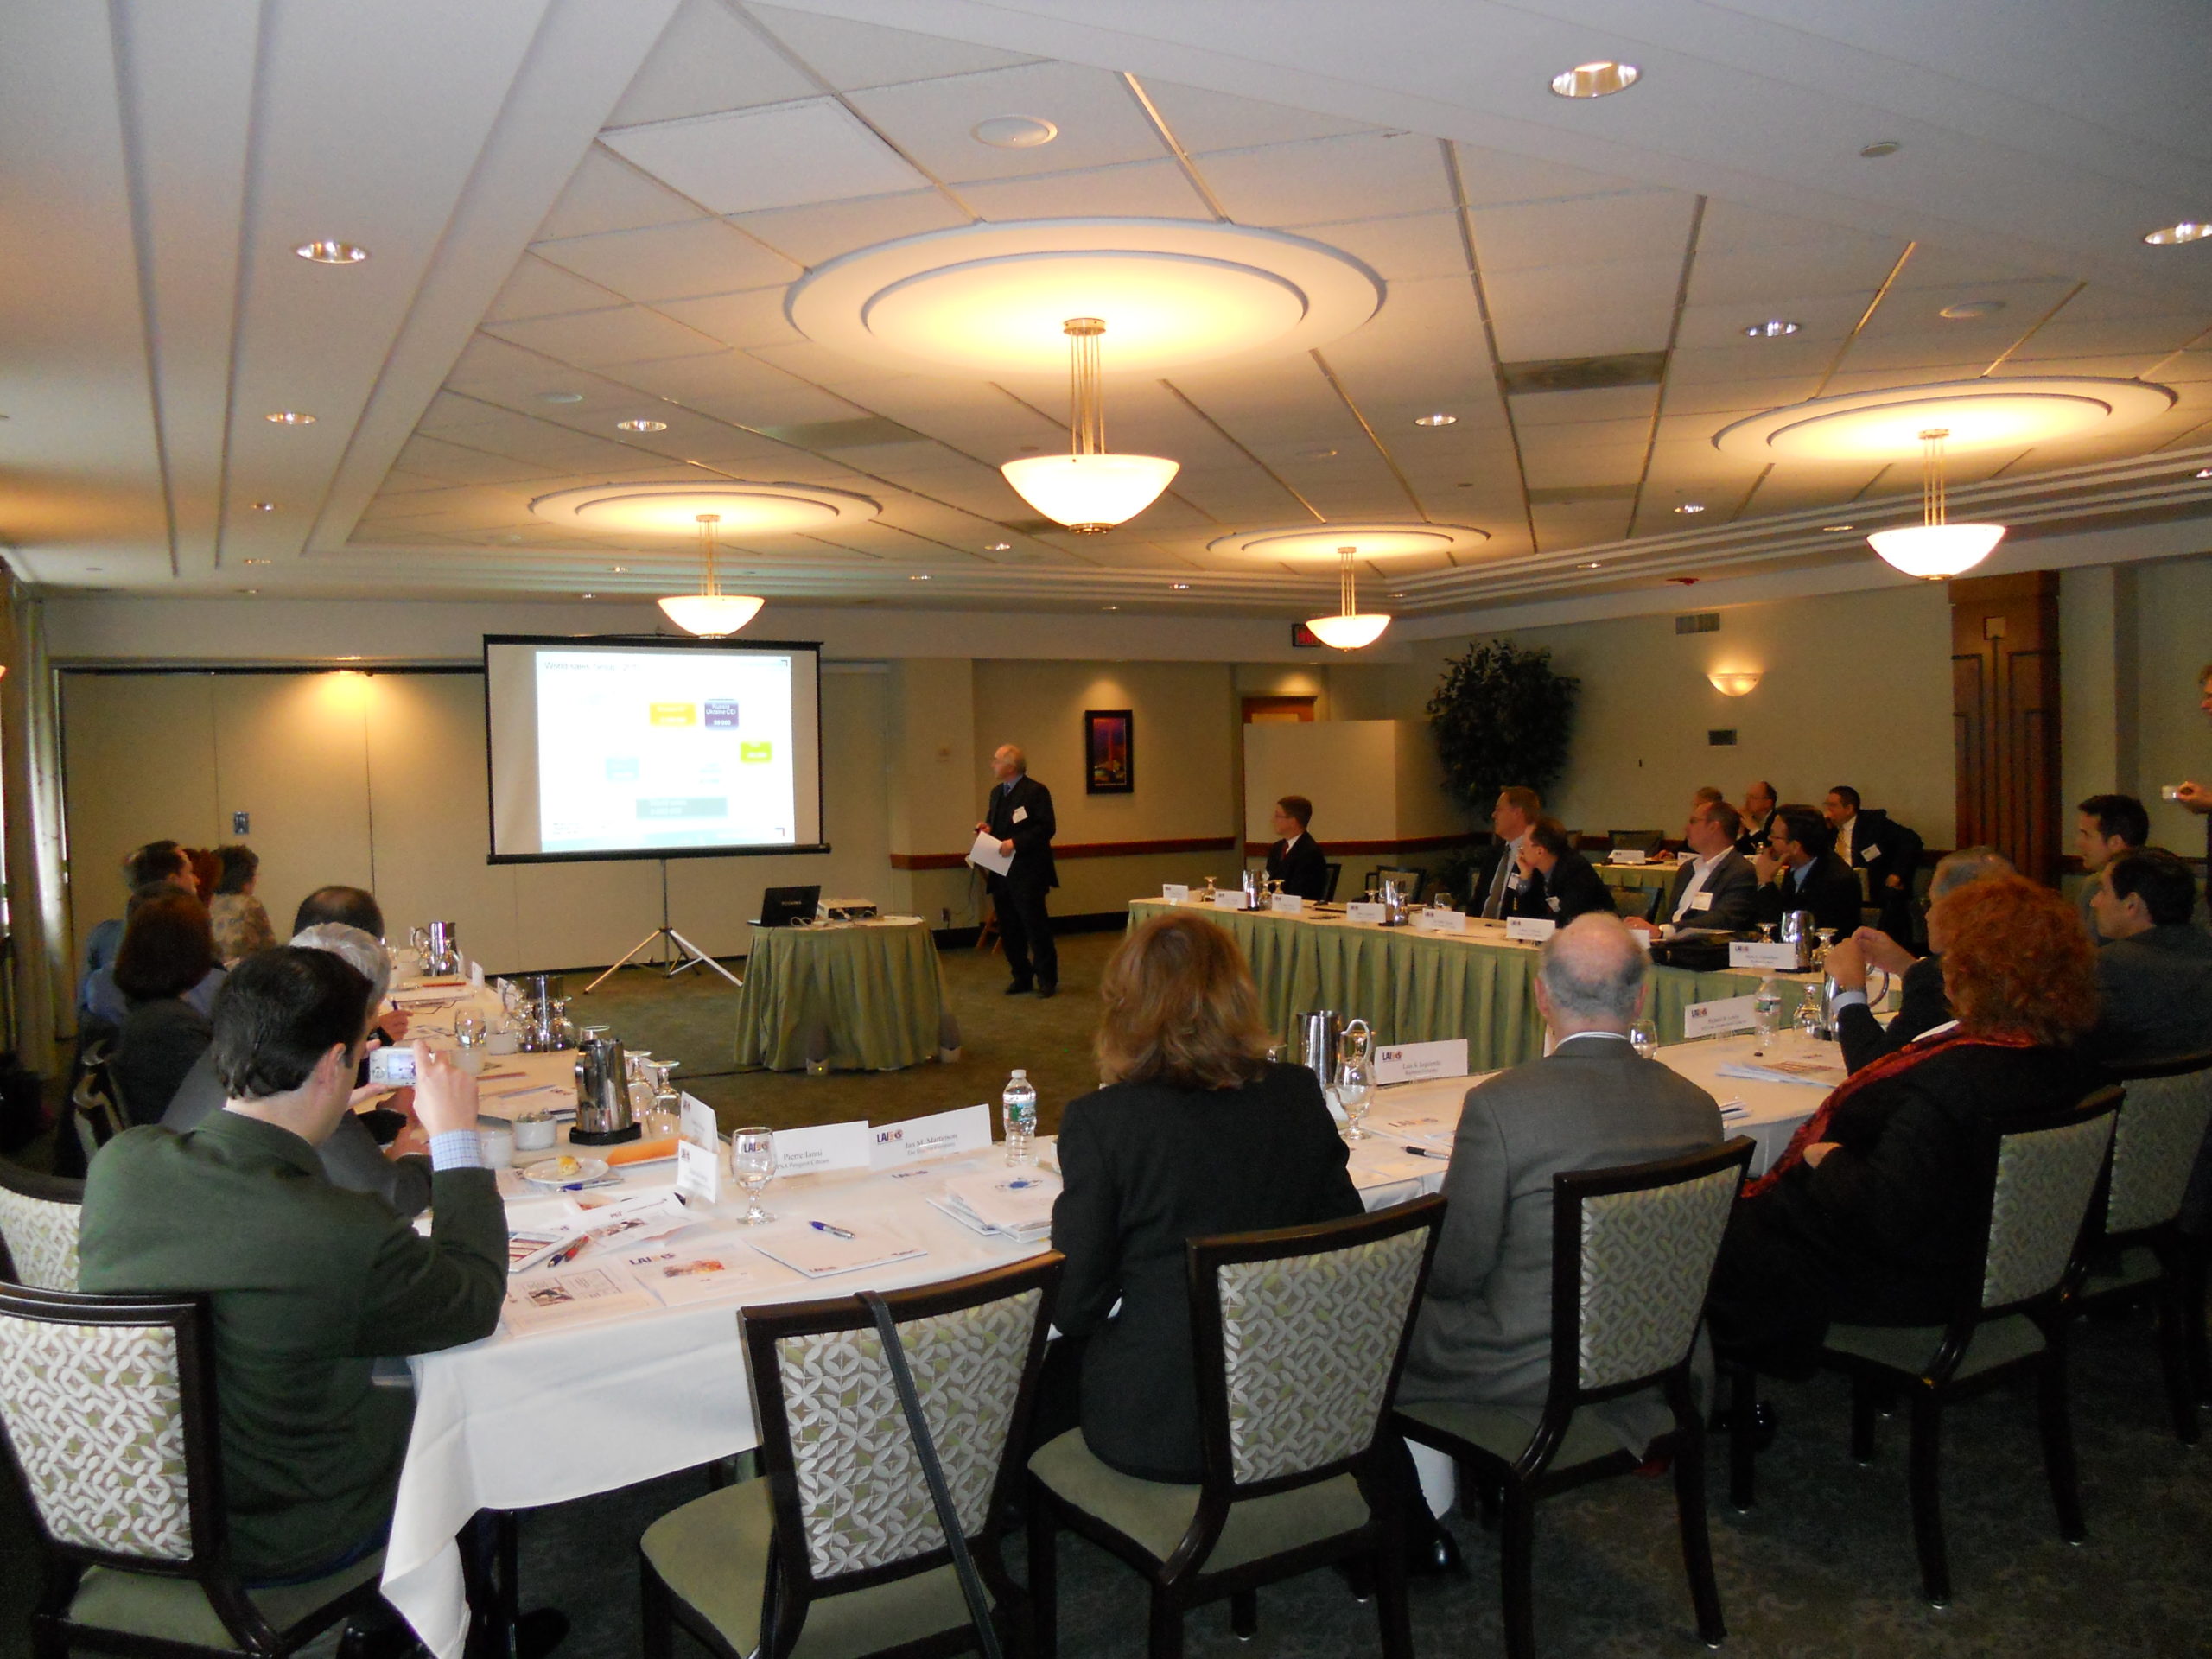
[[1195, 1132]]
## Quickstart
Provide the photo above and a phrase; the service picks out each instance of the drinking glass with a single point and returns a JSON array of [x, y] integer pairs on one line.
[[1441, 900], [668, 1103], [1643, 1037], [1808, 1018], [1355, 1093], [752, 1165], [469, 1028]]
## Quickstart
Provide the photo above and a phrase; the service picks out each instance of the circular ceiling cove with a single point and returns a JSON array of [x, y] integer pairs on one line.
[[743, 508], [1369, 540], [2007, 411]]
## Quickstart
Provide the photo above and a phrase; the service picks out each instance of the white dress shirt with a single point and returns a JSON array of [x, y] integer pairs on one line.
[[1702, 869], [1845, 833], [1505, 878]]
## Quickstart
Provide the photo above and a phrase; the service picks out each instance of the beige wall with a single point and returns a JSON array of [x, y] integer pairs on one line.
[[1369, 779], [2171, 639]]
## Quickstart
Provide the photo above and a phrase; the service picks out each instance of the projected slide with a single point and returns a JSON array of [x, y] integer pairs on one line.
[[673, 748]]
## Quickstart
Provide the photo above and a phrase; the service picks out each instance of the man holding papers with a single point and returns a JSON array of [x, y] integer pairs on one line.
[[1020, 818]]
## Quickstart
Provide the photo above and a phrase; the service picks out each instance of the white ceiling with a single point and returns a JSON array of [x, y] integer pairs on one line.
[[610, 198]]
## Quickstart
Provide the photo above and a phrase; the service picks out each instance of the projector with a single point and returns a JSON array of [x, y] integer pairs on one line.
[[846, 910]]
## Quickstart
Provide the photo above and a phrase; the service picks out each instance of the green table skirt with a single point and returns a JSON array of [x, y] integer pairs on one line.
[[851, 998], [1637, 878], [1418, 988]]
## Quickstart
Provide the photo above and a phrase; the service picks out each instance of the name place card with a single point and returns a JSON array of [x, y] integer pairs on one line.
[[1286, 904], [965, 1128], [1627, 856], [1534, 930], [1441, 921], [698, 1153], [1229, 899], [1751, 953], [1412, 1062], [1358, 911], [826, 1146], [1175, 892], [1727, 1014]]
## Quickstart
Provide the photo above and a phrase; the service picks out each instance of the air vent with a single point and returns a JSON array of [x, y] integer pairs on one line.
[[1723, 739], [1586, 373], [1702, 622], [844, 435], [1570, 495]]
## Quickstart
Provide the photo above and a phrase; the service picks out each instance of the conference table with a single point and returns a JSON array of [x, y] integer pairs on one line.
[[1413, 986], [605, 1399], [843, 996], [1634, 884]]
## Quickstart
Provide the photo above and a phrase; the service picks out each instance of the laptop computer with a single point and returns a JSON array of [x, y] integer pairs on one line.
[[781, 906]]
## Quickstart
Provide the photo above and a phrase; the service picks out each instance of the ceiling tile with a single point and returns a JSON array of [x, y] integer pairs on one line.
[[1100, 123], [457, 464], [852, 55], [1204, 121], [783, 155], [1638, 227], [672, 260], [1135, 190], [1529, 331], [1564, 408], [815, 235], [1406, 248], [1496, 177], [706, 60], [753, 318], [590, 339], [537, 289], [1328, 180], [607, 194]]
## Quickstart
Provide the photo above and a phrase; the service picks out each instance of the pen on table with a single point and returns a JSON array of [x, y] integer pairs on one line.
[[833, 1232], [1429, 1152], [567, 1252]]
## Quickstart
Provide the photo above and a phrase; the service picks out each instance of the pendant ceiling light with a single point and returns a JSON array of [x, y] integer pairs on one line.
[[1088, 490], [1935, 547], [710, 612], [1348, 629]]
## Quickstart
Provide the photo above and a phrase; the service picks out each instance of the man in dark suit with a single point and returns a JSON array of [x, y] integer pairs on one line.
[[1497, 876], [1483, 1334], [1758, 819], [1297, 860], [2155, 970], [1717, 891], [1557, 882], [1921, 1004], [1888, 852], [1021, 816], [1811, 877]]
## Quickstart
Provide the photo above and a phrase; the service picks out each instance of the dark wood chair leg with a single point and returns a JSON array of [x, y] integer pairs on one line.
[[1924, 1478], [1164, 1633], [2193, 1254], [1516, 1553], [1397, 1630], [1044, 1575], [2173, 1356], [1865, 1401], [1743, 1447], [1244, 1613], [2059, 1437], [659, 1615], [1359, 1577], [1689, 1506]]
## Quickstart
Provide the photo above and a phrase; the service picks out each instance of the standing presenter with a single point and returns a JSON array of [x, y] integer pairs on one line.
[[1021, 816]]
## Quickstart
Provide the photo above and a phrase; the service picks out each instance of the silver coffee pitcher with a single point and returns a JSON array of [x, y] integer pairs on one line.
[[1394, 901], [444, 951], [1797, 929], [1323, 1036], [603, 1114]]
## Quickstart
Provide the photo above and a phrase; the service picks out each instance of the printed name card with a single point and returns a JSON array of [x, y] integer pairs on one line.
[[1727, 1014], [1411, 1062], [1175, 892], [1287, 903], [1441, 921], [1782, 954], [1627, 856], [966, 1128], [698, 1154], [1534, 930], [1358, 911], [1229, 899], [826, 1145]]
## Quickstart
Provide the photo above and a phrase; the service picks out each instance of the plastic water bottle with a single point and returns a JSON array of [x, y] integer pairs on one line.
[[1018, 1112], [1766, 1009]]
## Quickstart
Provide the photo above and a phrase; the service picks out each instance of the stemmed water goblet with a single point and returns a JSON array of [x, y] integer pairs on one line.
[[752, 1165], [1355, 1093]]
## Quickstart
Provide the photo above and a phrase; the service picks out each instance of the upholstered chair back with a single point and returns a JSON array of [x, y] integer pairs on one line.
[[2044, 1180], [1647, 1262], [2154, 1149], [38, 1226]]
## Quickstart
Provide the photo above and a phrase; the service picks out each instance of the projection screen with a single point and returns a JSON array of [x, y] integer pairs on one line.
[[649, 748]]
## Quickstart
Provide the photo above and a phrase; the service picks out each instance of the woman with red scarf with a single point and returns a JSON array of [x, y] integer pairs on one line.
[[1864, 1219]]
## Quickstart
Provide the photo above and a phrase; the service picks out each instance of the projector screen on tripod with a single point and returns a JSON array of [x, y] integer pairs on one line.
[[625, 747]]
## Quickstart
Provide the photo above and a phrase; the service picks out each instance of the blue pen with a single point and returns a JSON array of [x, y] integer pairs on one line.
[[833, 1232]]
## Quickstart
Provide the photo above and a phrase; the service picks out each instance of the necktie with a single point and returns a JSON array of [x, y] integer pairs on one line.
[[1493, 905]]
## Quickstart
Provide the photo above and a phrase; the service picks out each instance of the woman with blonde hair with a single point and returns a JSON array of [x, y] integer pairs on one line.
[[1193, 1131]]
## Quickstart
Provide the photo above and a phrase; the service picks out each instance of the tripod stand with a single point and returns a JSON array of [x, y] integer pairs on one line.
[[669, 946]]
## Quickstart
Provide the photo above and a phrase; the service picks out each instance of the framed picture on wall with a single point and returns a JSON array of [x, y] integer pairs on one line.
[[1108, 752]]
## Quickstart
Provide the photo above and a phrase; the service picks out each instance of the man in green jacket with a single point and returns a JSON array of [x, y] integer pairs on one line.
[[311, 1283]]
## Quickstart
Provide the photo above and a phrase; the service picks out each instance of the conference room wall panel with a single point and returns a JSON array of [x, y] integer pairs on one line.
[[2171, 644], [292, 752]]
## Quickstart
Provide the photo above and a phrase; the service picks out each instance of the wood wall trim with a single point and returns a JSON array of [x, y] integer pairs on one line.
[[1365, 849], [1079, 849]]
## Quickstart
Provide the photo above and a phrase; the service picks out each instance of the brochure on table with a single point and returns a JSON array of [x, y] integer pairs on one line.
[[567, 1297], [679, 1276]]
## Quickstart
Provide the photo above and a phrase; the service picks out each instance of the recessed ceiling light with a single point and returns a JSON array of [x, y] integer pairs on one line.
[[1691, 507], [256, 561], [998, 547], [560, 397], [2171, 236], [1109, 607], [1014, 131], [641, 426], [1967, 310], [921, 578], [1397, 596], [1436, 419], [1880, 148], [1316, 454], [1180, 586], [289, 417], [323, 251], [1835, 527], [1594, 564], [2205, 472], [587, 596], [1772, 328], [249, 590], [618, 569], [1596, 79], [265, 506]]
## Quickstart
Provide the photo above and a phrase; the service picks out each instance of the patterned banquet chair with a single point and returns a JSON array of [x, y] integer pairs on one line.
[[2036, 1177], [38, 1228], [1298, 1335], [1632, 1255], [108, 1408], [837, 1549], [2134, 1247]]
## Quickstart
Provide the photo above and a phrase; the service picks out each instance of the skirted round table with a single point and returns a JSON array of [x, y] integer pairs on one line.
[[865, 996]]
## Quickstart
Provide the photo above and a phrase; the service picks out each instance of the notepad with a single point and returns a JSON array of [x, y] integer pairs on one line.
[[1804, 1071], [821, 1255], [1014, 1203]]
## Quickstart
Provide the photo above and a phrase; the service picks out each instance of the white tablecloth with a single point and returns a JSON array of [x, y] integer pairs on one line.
[[514, 1422]]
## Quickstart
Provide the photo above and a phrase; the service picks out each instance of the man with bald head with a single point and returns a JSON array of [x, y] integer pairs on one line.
[[1483, 1335], [1021, 816]]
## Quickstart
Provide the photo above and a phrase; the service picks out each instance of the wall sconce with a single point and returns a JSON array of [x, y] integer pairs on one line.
[[1733, 684]]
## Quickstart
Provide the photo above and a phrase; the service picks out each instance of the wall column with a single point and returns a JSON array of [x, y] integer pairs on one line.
[[2005, 712]]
